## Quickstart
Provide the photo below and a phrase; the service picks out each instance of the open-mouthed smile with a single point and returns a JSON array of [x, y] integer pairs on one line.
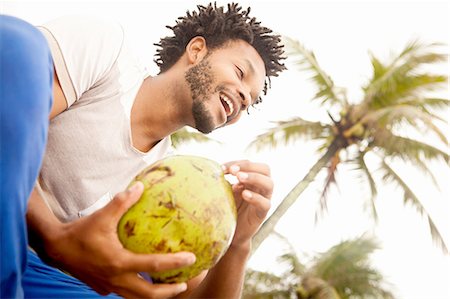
[[227, 104]]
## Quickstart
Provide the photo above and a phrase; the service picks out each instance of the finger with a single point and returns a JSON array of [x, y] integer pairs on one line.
[[99, 288], [256, 182], [245, 165], [131, 286], [232, 167], [238, 188], [259, 202], [156, 262], [124, 200]]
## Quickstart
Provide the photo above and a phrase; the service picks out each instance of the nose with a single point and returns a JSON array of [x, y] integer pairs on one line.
[[245, 99]]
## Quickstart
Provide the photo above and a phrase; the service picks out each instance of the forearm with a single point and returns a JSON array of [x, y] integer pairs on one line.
[[43, 226], [226, 279]]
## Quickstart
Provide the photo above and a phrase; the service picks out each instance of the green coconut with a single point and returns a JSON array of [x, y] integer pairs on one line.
[[187, 205]]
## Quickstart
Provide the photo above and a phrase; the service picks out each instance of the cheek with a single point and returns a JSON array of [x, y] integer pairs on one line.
[[226, 73]]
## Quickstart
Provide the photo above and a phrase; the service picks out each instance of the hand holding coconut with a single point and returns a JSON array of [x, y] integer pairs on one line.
[[89, 249], [252, 194], [187, 205]]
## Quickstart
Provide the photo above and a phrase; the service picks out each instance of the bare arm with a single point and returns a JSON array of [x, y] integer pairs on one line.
[[42, 223], [59, 100], [225, 280], [90, 250], [252, 194]]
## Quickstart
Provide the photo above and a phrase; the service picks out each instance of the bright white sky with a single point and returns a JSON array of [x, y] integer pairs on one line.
[[341, 33]]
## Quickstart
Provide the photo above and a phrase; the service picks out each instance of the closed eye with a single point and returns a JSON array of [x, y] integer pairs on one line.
[[240, 72]]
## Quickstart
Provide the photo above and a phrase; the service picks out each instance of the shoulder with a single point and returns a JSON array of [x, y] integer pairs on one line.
[[83, 49], [84, 29]]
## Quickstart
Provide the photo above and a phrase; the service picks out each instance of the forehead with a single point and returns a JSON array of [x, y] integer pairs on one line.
[[240, 51]]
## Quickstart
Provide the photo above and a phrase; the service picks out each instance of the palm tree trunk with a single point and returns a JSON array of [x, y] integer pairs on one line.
[[269, 225]]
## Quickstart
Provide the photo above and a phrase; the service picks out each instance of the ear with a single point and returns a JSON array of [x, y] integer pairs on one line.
[[196, 49]]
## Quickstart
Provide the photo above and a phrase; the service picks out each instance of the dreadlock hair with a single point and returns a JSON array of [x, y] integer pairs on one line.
[[218, 27]]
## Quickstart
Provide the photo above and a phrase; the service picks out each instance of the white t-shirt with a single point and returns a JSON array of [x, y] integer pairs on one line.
[[90, 156]]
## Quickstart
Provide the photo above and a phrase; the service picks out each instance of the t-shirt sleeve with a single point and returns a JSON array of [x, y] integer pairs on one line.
[[84, 49]]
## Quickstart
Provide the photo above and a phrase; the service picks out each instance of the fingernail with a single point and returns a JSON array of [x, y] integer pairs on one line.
[[188, 257], [182, 287], [242, 175], [191, 258], [224, 168], [234, 168], [136, 186], [247, 194]]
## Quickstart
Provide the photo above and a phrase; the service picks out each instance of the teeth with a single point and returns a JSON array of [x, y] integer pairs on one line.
[[229, 103]]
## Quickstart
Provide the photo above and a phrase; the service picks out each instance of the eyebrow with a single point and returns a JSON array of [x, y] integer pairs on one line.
[[250, 65]]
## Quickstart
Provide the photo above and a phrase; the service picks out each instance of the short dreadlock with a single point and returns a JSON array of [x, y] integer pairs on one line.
[[218, 27]]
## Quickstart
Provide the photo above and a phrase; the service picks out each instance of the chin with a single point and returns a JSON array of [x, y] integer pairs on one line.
[[205, 129]]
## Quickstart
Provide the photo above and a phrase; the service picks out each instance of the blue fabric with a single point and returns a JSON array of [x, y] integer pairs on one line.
[[25, 95], [43, 281], [26, 77]]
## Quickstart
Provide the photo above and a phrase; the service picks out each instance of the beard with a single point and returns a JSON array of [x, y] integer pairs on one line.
[[200, 80]]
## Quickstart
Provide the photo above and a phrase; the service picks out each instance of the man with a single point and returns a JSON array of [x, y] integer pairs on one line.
[[109, 119]]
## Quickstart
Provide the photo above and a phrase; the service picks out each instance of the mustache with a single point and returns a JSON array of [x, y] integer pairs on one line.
[[222, 88]]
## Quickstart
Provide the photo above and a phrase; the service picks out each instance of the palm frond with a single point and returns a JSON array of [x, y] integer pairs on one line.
[[406, 86], [327, 92], [363, 168], [330, 180], [401, 77], [346, 254], [184, 135], [423, 167], [261, 285], [316, 288], [343, 271], [263, 277], [291, 258], [411, 58], [378, 68], [366, 283], [290, 130], [425, 104], [409, 197], [437, 103], [346, 267], [406, 148], [276, 294], [389, 116]]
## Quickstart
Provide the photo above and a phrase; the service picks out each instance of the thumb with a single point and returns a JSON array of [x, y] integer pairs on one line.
[[124, 200]]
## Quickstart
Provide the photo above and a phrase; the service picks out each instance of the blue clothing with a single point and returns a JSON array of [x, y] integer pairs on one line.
[[25, 95], [26, 78], [42, 281]]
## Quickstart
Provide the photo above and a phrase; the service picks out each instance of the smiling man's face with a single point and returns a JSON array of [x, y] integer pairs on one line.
[[224, 84]]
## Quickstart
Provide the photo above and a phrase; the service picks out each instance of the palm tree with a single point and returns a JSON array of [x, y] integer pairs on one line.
[[398, 94], [343, 271], [185, 135]]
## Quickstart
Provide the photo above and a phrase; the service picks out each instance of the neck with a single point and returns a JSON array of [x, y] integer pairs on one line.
[[161, 107]]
